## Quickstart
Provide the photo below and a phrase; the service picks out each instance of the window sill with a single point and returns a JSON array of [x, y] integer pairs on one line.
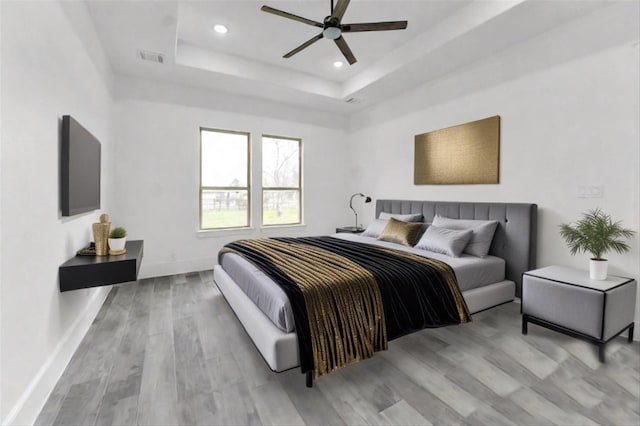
[[213, 233], [297, 225], [226, 232]]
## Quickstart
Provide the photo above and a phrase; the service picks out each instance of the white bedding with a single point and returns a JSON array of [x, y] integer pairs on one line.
[[471, 272]]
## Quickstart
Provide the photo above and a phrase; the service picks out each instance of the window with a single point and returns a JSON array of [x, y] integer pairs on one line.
[[281, 181], [224, 179]]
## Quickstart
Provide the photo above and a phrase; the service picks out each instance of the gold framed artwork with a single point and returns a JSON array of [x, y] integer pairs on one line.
[[464, 154]]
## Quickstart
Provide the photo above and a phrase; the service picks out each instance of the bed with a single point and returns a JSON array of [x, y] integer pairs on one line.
[[484, 284]]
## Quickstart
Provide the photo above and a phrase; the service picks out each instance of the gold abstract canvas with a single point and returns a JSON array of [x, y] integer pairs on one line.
[[465, 154]]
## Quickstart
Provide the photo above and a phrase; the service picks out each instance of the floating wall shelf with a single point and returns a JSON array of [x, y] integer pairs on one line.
[[93, 271]]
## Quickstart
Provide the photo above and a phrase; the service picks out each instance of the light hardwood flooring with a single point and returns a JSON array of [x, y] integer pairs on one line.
[[170, 351]]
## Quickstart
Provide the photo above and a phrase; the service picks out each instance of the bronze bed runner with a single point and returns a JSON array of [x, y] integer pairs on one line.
[[349, 299]]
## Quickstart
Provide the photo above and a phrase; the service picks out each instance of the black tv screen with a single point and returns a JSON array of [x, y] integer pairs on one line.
[[79, 169]]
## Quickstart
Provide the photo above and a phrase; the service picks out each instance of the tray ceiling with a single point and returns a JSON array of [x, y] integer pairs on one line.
[[441, 37]]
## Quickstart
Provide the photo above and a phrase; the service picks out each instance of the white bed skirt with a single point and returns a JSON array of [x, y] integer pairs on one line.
[[280, 349]]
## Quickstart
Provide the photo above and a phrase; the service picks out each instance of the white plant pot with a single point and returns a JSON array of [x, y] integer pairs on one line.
[[598, 269], [117, 244]]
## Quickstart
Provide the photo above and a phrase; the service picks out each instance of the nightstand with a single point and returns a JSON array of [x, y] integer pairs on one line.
[[349, 230], [568, 301]]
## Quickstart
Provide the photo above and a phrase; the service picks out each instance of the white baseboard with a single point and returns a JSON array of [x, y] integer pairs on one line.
[[161, 269], [30, 403]]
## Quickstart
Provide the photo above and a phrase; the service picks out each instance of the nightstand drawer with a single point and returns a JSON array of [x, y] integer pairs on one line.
[[580, 309]]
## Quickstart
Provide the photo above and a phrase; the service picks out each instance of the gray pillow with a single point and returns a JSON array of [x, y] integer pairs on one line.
[[446, 241], [483, 231], [414, 217], [375, 228], [425, 225]]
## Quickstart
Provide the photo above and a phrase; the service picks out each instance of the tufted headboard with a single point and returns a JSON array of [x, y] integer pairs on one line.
[[514, 240]]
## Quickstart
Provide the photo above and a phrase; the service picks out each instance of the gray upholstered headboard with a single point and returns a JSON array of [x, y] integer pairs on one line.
[[515, 238]]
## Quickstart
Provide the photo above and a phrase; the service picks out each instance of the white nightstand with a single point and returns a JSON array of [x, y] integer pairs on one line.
[[566, 300]]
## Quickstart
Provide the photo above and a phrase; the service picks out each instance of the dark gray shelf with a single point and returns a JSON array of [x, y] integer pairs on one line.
[[93, 271], [349, 230]]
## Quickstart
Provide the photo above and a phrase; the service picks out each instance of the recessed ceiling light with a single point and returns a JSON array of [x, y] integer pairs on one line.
[[221, 29], [338, 64]]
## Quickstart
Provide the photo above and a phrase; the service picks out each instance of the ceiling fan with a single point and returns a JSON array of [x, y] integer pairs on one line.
[[332, 28]]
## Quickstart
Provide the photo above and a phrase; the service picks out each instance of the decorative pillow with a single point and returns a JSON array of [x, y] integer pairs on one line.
[[483, 231], [446, 241], [400, 232], [375, 228], [414, 217]]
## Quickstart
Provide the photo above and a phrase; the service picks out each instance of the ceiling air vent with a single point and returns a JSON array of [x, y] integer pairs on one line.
[[150, 56], [353, 100]]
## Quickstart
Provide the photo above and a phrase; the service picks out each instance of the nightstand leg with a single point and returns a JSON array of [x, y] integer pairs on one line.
[[524, 325], [630, 338], [601, 352]]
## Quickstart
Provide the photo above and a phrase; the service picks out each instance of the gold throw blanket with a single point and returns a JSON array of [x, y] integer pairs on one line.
[[343, 301]]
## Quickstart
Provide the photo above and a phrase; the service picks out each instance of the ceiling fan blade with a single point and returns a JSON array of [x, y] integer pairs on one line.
[[303, 46], [340, 9], [291, 16], [344, 48], [374, 26]]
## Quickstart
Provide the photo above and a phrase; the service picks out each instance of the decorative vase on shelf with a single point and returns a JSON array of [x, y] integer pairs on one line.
[[598, 269], [117, 241], [101, 234]]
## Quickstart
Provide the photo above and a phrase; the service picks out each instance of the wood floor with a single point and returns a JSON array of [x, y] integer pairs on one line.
[[170, 351]]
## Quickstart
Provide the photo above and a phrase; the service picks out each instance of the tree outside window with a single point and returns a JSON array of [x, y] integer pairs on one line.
[[281, 180]]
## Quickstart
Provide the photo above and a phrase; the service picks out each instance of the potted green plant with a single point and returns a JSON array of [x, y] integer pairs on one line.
[[597, 234], [117, 240]]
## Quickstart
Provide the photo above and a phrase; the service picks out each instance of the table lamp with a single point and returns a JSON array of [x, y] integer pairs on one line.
[[366, 200]]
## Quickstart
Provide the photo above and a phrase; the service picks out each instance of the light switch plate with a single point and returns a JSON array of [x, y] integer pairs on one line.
[[590, 191]]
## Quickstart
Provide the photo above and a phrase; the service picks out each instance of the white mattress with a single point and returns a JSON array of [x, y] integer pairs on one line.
[[471, 272]]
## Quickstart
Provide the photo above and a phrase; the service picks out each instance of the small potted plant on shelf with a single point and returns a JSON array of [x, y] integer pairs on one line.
[[597, 234], [117, 240]]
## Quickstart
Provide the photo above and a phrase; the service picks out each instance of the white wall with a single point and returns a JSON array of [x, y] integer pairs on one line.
[[45, 73], [564, 124], [1, 126], [156, 144]]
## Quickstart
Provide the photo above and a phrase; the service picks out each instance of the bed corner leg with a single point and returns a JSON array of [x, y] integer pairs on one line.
[[309, 379]]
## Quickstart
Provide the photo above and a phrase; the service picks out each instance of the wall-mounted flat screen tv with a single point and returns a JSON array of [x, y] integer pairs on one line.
[[79, 169]]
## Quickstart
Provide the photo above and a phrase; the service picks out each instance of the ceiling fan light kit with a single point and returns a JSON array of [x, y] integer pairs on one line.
[[332, 33], [332, 28]]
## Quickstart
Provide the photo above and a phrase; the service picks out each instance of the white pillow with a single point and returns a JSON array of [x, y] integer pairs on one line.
[[483, 232], [375, 228], [446, 241], [413, 217]]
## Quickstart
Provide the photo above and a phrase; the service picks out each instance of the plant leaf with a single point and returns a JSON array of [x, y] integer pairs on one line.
[[597, 234]]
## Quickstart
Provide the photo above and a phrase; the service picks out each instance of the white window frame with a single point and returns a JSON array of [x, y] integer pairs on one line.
[[226, 188], [280, 188]]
